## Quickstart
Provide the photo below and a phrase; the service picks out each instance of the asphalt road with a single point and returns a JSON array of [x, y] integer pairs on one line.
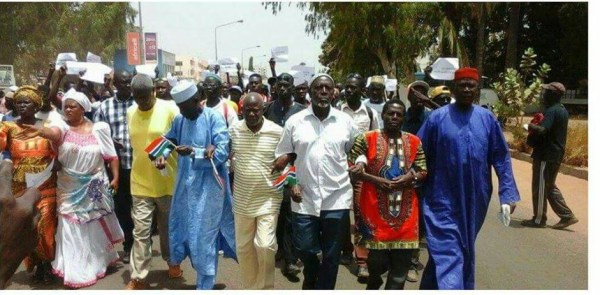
[[508, 258]]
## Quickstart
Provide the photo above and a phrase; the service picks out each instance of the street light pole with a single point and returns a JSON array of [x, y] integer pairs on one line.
[[257, 46], [231, 23]]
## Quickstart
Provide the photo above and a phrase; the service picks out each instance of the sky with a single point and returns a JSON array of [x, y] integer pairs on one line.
[[188, 28]]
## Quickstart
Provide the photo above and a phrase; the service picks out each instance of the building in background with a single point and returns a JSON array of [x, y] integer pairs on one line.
[[165, 62], [189, 67]]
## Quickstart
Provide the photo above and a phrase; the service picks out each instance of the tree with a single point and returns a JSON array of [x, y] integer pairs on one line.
[[513, 35], [377, 38], [37, 32], [251, 64], [387, 36], [520, 88]]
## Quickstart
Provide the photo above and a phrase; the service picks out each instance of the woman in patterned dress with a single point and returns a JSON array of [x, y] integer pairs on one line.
[[33, 157]]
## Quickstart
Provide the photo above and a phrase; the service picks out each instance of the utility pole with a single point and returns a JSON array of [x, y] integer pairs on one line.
[[142, 51]]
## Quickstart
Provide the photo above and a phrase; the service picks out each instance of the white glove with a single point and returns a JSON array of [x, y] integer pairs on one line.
[[504, 214]]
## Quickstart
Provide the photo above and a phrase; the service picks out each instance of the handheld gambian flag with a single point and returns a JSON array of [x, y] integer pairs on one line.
[[218, 178], [157, 147], [287, 177]]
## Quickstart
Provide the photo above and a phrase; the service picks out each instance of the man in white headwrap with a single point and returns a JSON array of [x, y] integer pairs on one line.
[[201, 218], [320, 136]]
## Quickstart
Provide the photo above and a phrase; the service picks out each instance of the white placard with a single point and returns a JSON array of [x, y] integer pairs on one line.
[[147, 69], [95, 72], [93, 58], [212, 63], [74, 67], [280, 53], [443, 68], [7, 76], [298, 77], [228, 64], [303, 73], [391, 84], [62, 59]]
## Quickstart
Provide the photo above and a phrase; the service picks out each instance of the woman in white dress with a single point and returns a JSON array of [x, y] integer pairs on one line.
[[87, 225]]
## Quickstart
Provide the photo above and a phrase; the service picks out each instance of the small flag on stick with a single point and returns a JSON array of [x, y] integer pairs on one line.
[[158, 146], [287, 177], [218, 177]]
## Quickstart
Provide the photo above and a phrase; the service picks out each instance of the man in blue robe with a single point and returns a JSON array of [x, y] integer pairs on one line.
[[201, 217], [462, 141]]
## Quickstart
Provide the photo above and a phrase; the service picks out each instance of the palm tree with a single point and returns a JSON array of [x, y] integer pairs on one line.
[[513, 35], [480, 12]]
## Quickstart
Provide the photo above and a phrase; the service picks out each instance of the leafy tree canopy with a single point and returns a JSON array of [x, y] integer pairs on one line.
[[34, 33]]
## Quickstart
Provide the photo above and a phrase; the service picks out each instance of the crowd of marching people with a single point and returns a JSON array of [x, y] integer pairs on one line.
[[312, 173]]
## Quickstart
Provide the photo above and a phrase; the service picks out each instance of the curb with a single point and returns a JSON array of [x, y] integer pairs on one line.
[[581, 173]]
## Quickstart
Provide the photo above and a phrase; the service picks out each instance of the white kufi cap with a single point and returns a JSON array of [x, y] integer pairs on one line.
[[183, 91]]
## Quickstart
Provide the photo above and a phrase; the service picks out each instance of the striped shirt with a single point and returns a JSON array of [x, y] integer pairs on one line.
[[113, 111], [254, 153]]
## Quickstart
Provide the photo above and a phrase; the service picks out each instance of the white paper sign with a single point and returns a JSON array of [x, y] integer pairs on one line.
[[62, 59], [74, 67], [228, 64], [93, 58], [280, 53], [147, 69], [303, 73], [443, 68], [95, 72], [391, 84], [7, 76], [298, 77]]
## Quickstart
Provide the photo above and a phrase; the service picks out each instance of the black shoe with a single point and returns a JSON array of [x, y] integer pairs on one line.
[[563, 223], [291, 269], [126, 257], [346, 259], [531, 223]]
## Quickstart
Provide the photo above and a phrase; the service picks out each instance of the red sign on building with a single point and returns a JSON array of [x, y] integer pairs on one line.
[[133, 48]]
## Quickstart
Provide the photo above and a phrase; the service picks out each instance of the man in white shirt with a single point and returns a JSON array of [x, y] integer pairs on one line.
[[256, 202], [319, 136], [376, 93]]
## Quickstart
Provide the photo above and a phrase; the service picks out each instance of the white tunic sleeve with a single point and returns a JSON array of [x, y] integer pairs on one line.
[[102, 133]]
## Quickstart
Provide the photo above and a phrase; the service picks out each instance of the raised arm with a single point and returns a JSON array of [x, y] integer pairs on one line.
[[272, 66], [62, 72]]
